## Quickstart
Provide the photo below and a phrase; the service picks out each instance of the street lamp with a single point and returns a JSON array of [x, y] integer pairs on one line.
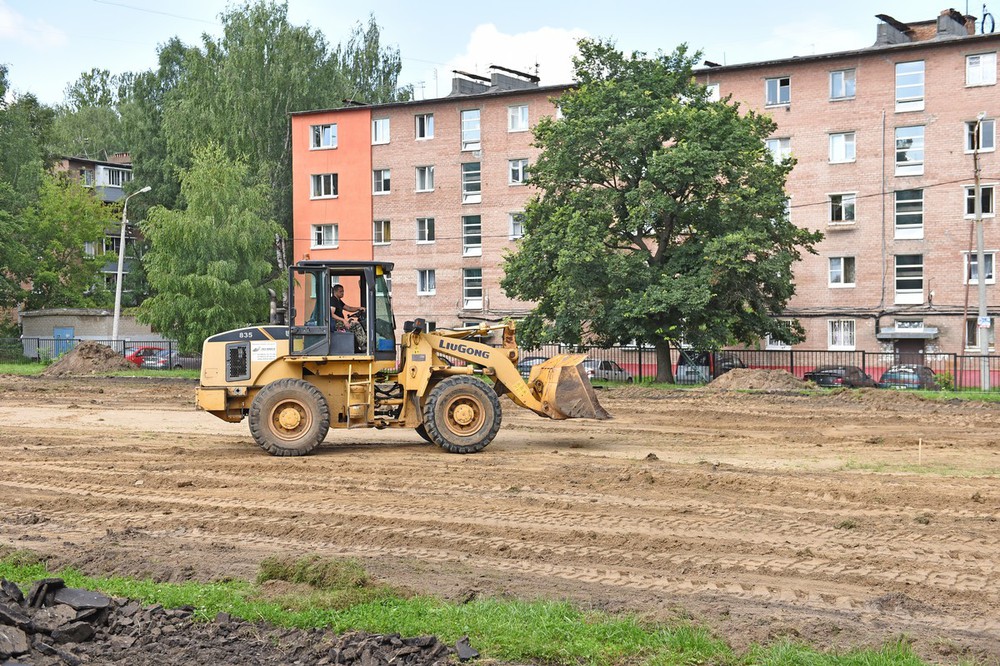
[[121, 265]]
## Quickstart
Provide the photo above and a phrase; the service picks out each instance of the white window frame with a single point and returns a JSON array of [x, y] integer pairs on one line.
[[908, 207], [987, 193], [843, 84], [423, 126], [987, 135], [425, 230], [426, 282], [910, 83], [380, 131], [712, 90], [515, 225], [841, 334], [777, 345], [517, 118], [839, 272], [972, 332], [843, 147], [472, 182], [472, 235], [323, 137], [324, 236], [472, 288], [381, 232], [848, 205], [780, 148], [517, 171], [981, 69], [424, 178], [910, 167], [908, 295], [773, 88], [381, 181], [471, 126], [970, 261], [323, 186]]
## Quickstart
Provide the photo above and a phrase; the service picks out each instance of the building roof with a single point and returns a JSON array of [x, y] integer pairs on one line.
[[120, 165]]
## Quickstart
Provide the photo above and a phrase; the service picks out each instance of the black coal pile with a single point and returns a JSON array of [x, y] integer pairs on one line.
[[57, 625]]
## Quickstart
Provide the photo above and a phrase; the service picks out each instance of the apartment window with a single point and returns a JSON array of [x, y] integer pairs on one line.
[[985, 142], [909, 213], [778, 91], [971, 261], [516, 225], [471, 182], [381, 181], [842, 147], [472, 288], [112, 176], [981, 69], [425, 178], [381, 232], [985, 196], [424, 126], [972, 332], [842, 208], [842, 84], [712, 89], [780, 148], [425, 229], [470, 130], [910, 151], [324, 186], [517, 118], [426, 282], [909, 278], [518, 172], [841, 272], [323, 136], [325, 236], [380, 130], [90, 248], [840, 334], [910, 86], [472, 236]]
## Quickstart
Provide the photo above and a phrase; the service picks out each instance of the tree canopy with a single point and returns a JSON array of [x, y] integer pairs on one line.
[[661, 216]]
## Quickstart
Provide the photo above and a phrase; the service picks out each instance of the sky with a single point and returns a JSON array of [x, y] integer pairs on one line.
[[47, 44]]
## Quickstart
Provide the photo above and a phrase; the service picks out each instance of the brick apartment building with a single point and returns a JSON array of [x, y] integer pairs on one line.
[[435, 186], [883, 139]]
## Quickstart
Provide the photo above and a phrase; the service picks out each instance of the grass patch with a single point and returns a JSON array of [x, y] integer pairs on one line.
[[538, 631], [22, 368], [912, 468], [31, 369]]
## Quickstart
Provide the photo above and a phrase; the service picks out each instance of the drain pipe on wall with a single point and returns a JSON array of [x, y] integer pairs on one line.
[[881, 302]]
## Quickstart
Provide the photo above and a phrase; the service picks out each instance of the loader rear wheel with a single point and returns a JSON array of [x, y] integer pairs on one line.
[[462, 414], [289, 417]]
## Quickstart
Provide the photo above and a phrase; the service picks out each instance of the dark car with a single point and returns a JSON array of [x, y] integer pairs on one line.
[[525, 364], [606, 370], [909, 377], [703, 367], [171, 360], [847, 376]]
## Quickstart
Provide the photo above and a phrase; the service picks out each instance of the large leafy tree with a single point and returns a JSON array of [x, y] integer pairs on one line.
[[212, 263], [661, 217], [88, 124]]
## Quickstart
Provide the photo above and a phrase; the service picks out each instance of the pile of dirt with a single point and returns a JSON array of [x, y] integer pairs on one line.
[[761, 380], [88, 358]]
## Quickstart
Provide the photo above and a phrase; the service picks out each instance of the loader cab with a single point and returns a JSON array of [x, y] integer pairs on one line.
[[312, 330]]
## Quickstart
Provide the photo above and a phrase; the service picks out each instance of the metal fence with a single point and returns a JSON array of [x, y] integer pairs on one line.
[[34, 350]]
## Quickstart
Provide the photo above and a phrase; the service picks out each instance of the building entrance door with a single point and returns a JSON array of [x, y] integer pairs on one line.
[[909, 352], [63, 340]]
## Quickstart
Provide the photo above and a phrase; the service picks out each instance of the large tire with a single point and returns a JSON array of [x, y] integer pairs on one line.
[[289, 417], [462, 414], [422, 431]]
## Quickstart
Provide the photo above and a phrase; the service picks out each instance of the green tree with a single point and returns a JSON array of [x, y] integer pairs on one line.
[[88, 124], [372, 71], [212, 263], [66, 221], [661, 217]]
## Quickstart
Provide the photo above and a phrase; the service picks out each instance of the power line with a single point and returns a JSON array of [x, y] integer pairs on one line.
[[154, 11]]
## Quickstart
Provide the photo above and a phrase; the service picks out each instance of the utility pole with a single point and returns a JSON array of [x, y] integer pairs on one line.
[[121, 265], [983, 319]]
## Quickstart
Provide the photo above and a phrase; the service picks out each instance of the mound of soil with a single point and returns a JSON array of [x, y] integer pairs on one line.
[[766, 380], [88, 358]]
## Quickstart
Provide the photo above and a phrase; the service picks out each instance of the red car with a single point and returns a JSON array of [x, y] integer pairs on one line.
[[140, 354]]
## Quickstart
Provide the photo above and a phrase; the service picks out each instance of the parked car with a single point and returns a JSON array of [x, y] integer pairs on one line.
[[703, 367], [848, 376], [525, 364], [606, 370], [909, 377], [140, 354], [171, 360]]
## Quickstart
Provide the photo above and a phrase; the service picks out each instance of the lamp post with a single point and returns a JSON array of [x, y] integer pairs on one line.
[[121, 264], [982, 320]]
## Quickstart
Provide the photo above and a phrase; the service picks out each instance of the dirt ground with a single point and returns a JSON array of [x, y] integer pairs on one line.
[[846, 519]]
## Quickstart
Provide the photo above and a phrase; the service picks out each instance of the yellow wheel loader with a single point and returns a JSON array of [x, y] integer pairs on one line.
[[295, 382]]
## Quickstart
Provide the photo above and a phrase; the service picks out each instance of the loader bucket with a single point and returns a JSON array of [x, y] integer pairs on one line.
[[564, 390]]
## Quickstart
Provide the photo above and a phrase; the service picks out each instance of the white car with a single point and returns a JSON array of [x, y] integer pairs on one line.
[[606, 370]]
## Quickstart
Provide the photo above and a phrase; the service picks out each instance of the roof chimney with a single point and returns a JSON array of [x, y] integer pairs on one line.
[[465, 83], [891, 31]]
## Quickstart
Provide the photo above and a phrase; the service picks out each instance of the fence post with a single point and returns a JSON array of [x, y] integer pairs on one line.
[[640, 346], [954, 371], [791, 361]]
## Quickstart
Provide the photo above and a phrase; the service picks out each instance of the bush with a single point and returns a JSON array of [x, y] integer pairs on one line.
[[945, 381]]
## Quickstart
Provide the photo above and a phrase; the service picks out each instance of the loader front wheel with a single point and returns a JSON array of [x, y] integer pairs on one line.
[[289, 417], [462, 414]]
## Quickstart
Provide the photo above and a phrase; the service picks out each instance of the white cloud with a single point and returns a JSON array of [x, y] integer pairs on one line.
[[551, 49], [35, 33]]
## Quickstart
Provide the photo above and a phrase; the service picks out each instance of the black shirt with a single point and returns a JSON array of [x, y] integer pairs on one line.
[[337, 305]]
